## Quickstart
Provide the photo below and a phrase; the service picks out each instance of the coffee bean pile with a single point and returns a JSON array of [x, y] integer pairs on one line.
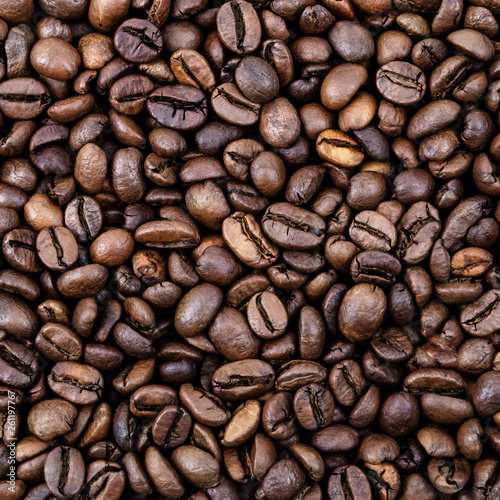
[[249, 249]]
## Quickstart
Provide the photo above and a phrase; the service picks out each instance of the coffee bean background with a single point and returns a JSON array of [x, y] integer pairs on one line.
[[249, 249]]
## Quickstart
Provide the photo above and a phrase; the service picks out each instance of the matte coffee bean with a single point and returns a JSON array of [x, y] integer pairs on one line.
[[279, 132], [138, 41]]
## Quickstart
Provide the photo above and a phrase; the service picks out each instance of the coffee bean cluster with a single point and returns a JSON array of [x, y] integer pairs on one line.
[[249, 249]]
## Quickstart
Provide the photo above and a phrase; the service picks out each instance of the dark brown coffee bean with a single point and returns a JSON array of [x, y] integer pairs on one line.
[[257, 79], [256, 251], [197, 309], [138, 41], [292, 227], [171, 427], [19, 365], [314, 406], [267, 315], [83, 281], [439, 381], [78, 383], [64, 471], [243, 379], [449, 475], [336, 90], [478, 318], [245, 345], [347, 382], [399, 415], [295, 374], [164, 103], [448, 75], [57, 248], [282, 132], [401, 83], [233, 107], [55, 59], [239, 27], [58, 343], [348, 481], [361, 312], [163, 475], [392, 345], [83, 217], [373, 266], [278, 417]]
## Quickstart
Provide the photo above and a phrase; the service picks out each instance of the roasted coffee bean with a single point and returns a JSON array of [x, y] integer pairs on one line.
[[243, 379], [197, 309], [294, 374], [336, 90], [23, 98], [439, 381], [361, 312], [64, 471], [245, 345], [278, 417], [314, 407], [348, 481], [171, 427], [19, 365], [418, 229], [337, 147], [239, 27], [478, 317], [279, 123], [266, 315], [138, 41], [232, 106], [347, 382], [292, 227], [401, 83], [83, 217], [162, 474], [181, 107], [57, 248], [449, 475], [58, 343], [78, 383], [257, 79], [373, 266], [244, 236]]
